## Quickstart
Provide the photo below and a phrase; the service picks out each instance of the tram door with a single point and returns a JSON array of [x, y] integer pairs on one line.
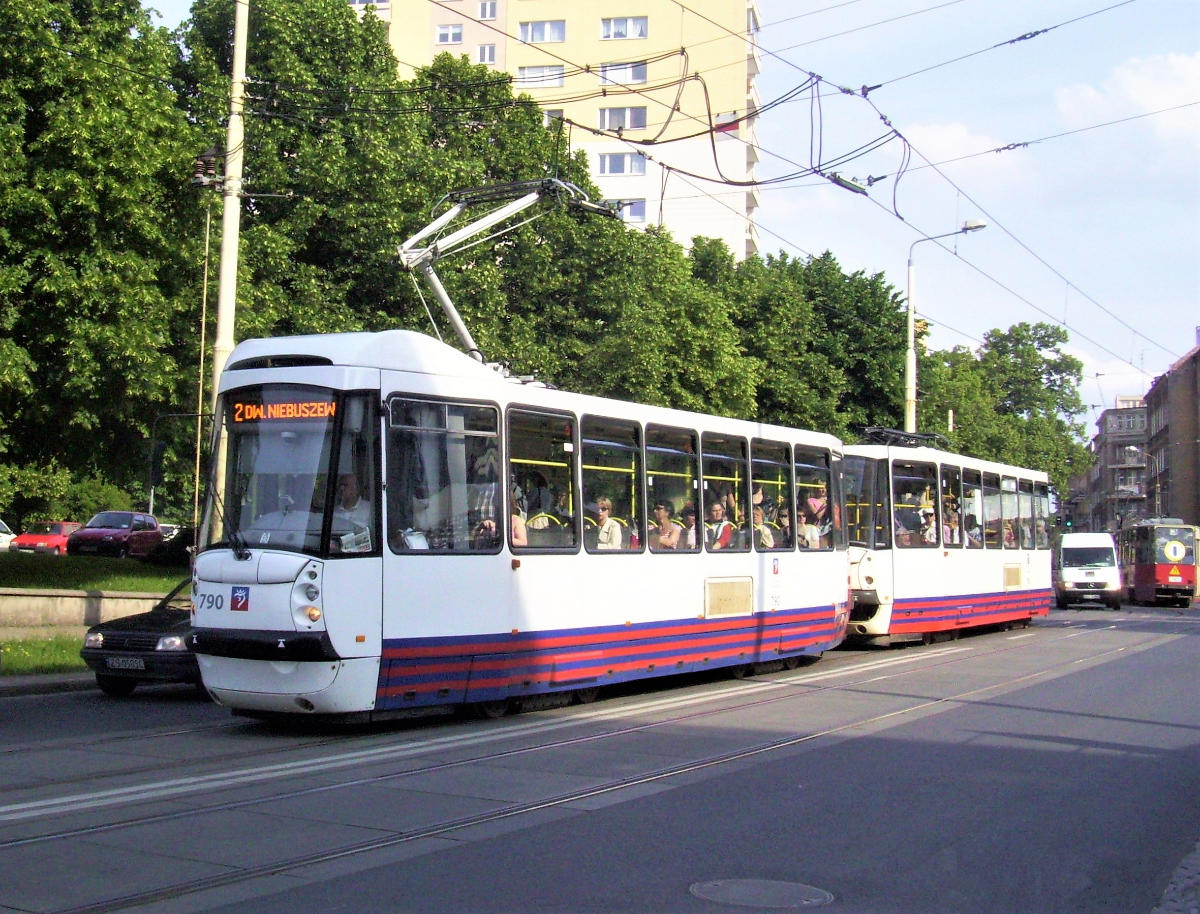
[[446, 573]]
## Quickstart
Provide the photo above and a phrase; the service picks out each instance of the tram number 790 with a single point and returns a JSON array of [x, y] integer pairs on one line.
[[209, 601]]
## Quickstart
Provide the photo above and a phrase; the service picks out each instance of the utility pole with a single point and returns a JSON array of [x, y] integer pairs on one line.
[[231, 212], [231, 224]]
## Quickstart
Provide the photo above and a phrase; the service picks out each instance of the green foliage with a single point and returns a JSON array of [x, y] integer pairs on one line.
[[102, 257], [825, 345], [1015, 400], [75, 572], [93, 147], [47, 654]]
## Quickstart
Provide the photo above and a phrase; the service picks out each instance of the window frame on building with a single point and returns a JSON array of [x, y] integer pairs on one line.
[[543, 31]]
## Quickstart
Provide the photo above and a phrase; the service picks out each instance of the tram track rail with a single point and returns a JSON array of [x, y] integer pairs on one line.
[[864, 673], [889, 665], [660, 774]]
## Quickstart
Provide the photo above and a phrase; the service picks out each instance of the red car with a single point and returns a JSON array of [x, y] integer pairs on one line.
[[45, 536], [118, 533]]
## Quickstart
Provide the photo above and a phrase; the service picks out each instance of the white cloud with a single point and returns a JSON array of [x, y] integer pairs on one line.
[[1138, 86]]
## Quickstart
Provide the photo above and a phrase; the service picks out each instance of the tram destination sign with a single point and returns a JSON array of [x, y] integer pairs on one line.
[[284, 410]]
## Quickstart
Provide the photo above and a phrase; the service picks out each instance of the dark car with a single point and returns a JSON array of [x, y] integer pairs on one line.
[[48, 536], [147, 647], [118, 533]]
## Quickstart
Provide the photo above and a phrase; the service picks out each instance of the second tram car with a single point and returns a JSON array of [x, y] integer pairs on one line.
[[1158, 561], [940, 542], [396, 526]]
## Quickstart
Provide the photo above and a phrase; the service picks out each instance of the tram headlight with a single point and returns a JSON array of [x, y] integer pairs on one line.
[[307, 598]]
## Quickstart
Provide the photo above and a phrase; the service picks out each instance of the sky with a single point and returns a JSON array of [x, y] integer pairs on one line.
[[1071, 127]]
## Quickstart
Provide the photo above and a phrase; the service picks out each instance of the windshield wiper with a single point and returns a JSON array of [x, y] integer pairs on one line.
[[237, 542]]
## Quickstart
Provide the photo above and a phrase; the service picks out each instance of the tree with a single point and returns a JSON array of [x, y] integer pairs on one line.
[[826, 343], [93, 148], [1016, 400]]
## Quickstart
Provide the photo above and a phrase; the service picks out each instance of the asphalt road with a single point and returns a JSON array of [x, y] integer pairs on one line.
[[1054, 768]]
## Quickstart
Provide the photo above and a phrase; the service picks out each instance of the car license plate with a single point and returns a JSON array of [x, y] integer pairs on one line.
[[125, 663], [87, 548]]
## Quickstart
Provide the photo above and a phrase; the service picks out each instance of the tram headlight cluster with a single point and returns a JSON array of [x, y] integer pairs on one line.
[[306, 597]]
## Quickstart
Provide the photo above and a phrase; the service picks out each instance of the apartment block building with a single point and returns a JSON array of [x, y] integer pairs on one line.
[[1173, 444], [660, 95], [1114, 490], [1147, 455]]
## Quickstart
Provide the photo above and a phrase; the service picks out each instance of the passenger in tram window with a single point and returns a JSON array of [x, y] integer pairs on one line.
[[487, 537], [520, 536], [485, 496], [718, 531], [783, 517], [1041, 538], [608, 534], [806, 533], [688, 537], [538, 498], [950, 527], [816, 506], [1010, 536], [972, 532], [928, 527], [665, 532], [763, 537]]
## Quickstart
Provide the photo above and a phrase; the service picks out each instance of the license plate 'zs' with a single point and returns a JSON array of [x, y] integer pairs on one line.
[[125, 663]]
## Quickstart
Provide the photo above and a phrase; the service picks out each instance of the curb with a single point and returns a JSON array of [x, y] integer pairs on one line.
[[12, 686]]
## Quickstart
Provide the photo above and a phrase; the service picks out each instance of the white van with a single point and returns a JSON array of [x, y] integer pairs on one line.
[[1085, 570]]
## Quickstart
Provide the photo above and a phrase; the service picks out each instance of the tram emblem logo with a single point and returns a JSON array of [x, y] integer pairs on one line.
[[239, 599]]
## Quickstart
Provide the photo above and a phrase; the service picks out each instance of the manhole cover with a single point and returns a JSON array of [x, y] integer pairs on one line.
[[761, 893]]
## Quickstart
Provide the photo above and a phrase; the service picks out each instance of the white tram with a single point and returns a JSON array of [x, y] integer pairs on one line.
[[940, 542], [360, 553]]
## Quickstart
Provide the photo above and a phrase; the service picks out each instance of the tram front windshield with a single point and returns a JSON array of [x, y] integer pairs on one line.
[[299, 472], [1174, 546]]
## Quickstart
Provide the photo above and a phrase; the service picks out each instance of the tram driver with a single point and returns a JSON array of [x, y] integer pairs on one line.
[[351, 518]]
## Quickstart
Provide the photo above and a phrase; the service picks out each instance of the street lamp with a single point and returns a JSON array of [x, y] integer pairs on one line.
[[1154, 463], [910, 355]]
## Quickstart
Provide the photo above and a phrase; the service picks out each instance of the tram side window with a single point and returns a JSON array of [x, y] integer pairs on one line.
[[1009, 511], [837, 498], [542, 446], [673, 481], [352, 524], [951, 478], [993, 521], [814, 508], [612, 479], [770, 495], [726, 493], [915, 516], [867, 512], [972, 516], [1041, 513], [443, 476], [1025, 529]]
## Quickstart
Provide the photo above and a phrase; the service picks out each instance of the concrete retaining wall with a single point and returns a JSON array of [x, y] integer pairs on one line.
[[49, 608]]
